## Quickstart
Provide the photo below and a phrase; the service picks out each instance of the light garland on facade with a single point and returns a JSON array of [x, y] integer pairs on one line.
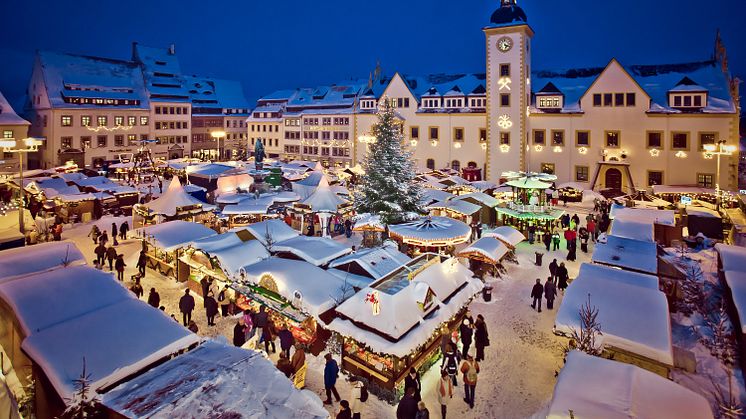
[[680, 154], [655, 152], [107, 129], [504, 83], [330, 143], [457, 145], [434, 143], [557, 149], [484, 146], [413, 143], [504, 148], [365, 139], [504, 122], [538, 147], [583, 150], [709, 156]]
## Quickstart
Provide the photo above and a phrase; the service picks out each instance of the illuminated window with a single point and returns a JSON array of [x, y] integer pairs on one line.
[[66, 142], [118, 121], [547, 168], [705, 180], [101, 121], [558, 138], [66, 120], [706, 138], [85, 120], [612, 139]]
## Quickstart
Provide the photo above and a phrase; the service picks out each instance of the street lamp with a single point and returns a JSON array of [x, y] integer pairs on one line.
[[217, 135], [719, 149], [10, 145]]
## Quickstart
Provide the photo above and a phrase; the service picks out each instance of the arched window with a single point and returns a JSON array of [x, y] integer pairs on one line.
[[472, 164], [456, 165], [430, 163]]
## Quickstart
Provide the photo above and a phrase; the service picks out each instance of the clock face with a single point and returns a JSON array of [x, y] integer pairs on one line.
[[504, 44]]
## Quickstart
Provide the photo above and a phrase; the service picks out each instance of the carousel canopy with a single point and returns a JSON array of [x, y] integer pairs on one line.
[[173, 199], [487, 248], [546, 177], [323, 199], [172, 235], [507, 235], [432, 231], [528, 183], [593, 387]]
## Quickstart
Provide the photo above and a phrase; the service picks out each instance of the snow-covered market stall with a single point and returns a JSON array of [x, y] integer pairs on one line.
[[319, 208], [368, 264], [732, 274], [455, 208], [427, 234], [485, 256], [174, 204], [629, 254], [166, 239], [396, 322], [633, 314], [592, 387]]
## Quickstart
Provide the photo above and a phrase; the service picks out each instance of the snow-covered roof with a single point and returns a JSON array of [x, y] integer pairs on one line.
[[240, 382], [230, 184], [483, 185], [455, 205], [627, 253], [277, 230], [323, 199], [233, 249], [306, 186], [633, 315], [663, 189], [481, 197], [430, 195], [74, 177], [116, 341], [8, 116], [593, 387], [733, 261], [702, 212], [101, 183], [432, 231], [209, 170], [174, 234], [173, 199], [52, 187], [316, 250], [644, 215], [369, 222], [248, 207], [632, 229], [40, 257], [376, 261], [487, 247], [528, 183], [320, 291], [507, 235]]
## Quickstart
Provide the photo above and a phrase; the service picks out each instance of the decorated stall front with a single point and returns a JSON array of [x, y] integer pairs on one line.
[[174, 204], [396, 323], [485, 256], [438, 234], [164, 241], [529, 204], [319, 208], [455, 208]]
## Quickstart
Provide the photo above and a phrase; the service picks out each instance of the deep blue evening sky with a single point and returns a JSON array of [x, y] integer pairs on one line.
[[270, 45]]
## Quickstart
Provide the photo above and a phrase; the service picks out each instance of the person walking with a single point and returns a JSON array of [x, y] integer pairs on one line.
[[103, 238], [141, 261], [531, 233], [205, 286], [572, 246], [286, 340], [466, 330], [422, 412], [224, 300], [481, 337], [591, 227], [331, 372], [186, 306], [94, 234], [537, 293], [268, 335], [407, 408], [470, 369], [211, 309], [553, 268], [119, 265], [123, 229], [239, 333], [547, 239], [100, 252], [111, 256], [445, 392], [562, 277], [450, 362], [154, 299], [137, 289], [550, 292], [356, 397], [114, 232], [555, 241], [344, 410], [413, 380], [584, 236]]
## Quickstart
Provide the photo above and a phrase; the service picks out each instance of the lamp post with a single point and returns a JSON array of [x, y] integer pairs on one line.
[[217, 135], [718, 149], [10, 145]]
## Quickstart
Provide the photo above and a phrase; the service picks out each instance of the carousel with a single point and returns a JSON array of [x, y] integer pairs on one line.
[[320, 206], [430, 234], [528, 203]]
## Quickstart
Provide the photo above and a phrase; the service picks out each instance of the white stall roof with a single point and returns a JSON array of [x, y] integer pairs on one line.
[[429, 196], [323, 198], [377, 261], [625, 253], [320, 291], [632, 317], [240, 382], [702, 212], [507, 234], [456, 205], [481, 197], [593, 387], [47, 298], [233, 250], [644, 215], [733, 259], [37, 258], [488, 247], [277, 230], [174, 198], [632, 229], [116, 341], [174, 234], [316, 250]]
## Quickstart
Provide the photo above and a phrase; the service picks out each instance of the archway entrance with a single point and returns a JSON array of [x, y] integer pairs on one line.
[[613, 179]]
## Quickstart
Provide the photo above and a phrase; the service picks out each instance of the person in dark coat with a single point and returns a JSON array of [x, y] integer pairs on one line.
[[344, 410], [193, 326], [123, 229], [537, 293], [111, 256], [141, 260], [572, 247], [286, 340], [239, 333], [550, 292], [450, 362], [562, 277], [584, 236], [547, 240], [154, 299], [114, 232], [531, 233], [205, 284], [186, 306], [331, 371], [283, 364], [211, 309], [576, 219], [413, 380], [137, 289], [119, 265], [268, 336], [260, 321], [100, 252], [299, 358], [466, 330], [103, 238], [553, 269], [422, 412], [407, 408], [481, 337]]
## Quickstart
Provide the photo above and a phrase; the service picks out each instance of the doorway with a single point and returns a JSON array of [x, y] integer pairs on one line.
[[613, 179]]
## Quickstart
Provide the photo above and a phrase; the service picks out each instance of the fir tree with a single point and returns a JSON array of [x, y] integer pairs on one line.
[[388, 187], [84, 403]]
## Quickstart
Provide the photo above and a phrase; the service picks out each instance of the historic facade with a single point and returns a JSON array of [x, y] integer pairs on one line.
[[614, 126]]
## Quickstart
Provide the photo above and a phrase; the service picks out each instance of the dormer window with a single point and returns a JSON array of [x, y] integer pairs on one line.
[[687, 96], [454, 103], [550, 101], [478, 102], [367, 104], [549, 98], [431, 103]]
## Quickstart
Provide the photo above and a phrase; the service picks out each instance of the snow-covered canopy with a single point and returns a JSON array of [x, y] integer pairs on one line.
[[240, 382], [643, 215], [172, 235], [306, 186], [233, 249], [666, 189], [51, 187], [277, 230], [316, 250], [702, 212], [248, 207], [632, 312], [410, 310], [455, 205], [318, 289], [632, 229], [733, 260], [432, 231], [174, 199], [78, 197], [209, 170], [323, 199], [489, 248], [593, 387], [230, 184], [368, 222], [428, 196], [482, 198], [483, 185], [376, 262], [507, 234], [40, 257], [635, 255], [104, 184]]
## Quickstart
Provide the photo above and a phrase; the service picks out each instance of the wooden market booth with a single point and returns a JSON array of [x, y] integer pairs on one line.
[[164, 241], [174, 204], [485, 256]]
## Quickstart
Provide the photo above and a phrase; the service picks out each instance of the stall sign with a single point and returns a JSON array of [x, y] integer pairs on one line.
[[374, 299], [686, 200]]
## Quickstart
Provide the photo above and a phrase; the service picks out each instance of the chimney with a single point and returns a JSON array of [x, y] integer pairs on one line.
[[172, 49]]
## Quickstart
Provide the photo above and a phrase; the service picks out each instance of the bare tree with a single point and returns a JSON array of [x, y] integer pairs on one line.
[[728, 405]]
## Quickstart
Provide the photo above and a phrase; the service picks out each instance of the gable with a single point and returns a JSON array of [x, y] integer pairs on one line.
[[397, 87], [614, 79]]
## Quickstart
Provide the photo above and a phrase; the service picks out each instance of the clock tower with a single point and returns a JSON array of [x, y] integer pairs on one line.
[[508, 47]]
